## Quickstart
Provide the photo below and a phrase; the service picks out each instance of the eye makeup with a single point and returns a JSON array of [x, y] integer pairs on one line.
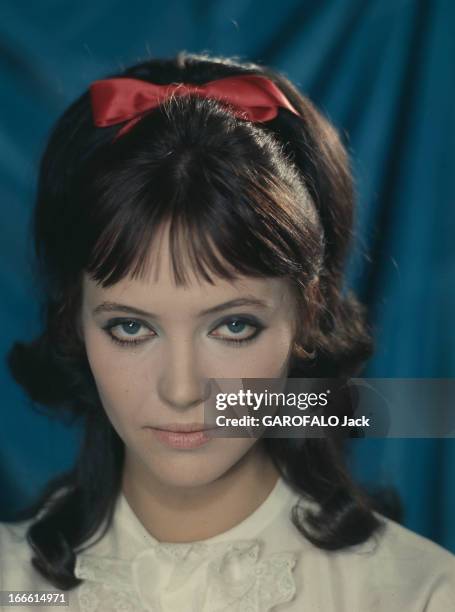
[[132, 324]]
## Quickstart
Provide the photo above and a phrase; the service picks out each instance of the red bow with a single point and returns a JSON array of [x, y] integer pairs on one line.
[[253, 97]]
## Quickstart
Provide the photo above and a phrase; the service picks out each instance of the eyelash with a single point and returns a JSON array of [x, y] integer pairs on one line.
[[234, 341]]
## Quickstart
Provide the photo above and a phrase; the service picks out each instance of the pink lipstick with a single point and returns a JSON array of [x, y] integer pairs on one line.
[[183, 436]]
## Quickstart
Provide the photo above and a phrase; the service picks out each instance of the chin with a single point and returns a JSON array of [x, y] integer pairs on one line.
[[184, 473], [192, 469]]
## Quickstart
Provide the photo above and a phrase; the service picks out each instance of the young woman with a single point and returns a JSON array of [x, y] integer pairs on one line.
[[192, 223]]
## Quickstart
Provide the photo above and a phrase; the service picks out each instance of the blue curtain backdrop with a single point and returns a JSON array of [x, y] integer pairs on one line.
[[382, 70]]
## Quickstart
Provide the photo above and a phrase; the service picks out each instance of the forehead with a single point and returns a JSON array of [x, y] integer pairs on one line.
[[157, 285], [273, 291]]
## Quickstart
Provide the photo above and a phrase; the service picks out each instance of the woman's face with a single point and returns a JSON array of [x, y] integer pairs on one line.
[[151, 346]]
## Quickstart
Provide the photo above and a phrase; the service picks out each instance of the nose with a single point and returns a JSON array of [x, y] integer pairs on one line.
[[181, 384]]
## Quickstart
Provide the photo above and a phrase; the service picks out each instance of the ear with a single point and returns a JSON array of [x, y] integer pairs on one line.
[[300, 351]]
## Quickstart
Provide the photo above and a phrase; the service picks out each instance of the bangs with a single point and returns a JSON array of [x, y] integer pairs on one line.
[[233, 203], [218, 226]]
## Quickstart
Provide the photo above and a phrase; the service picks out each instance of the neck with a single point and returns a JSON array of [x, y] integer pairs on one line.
[[185, 514]]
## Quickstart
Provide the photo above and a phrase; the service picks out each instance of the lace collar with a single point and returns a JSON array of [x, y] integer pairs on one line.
[[129, 570]]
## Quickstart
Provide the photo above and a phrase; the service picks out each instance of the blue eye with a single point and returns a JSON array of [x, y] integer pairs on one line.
[[241, 330], [237, 326], [130, 328]]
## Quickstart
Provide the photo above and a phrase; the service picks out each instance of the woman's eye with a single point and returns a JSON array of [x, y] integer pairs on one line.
[[238, 330], [128, 331]]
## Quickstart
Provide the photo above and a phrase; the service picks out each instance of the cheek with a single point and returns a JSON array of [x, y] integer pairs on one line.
[[127, 381], [117, 380], [264, 359]]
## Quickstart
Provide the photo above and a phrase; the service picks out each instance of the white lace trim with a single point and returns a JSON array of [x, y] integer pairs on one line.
[[221, 577]]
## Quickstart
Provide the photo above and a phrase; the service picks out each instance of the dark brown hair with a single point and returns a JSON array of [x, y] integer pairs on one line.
[[268, 200]]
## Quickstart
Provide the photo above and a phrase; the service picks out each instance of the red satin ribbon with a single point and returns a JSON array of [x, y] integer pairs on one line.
[[119, 100]]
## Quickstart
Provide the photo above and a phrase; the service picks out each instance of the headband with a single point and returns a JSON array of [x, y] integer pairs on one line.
[[254, 98]]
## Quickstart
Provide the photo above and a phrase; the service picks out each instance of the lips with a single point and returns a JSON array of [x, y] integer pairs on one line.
[[183, 427], [182, 436]]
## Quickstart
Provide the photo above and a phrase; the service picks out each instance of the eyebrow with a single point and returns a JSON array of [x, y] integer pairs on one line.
[[114, 306]]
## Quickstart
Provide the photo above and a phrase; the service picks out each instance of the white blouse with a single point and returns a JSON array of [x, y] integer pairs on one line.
[[261, 564]]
